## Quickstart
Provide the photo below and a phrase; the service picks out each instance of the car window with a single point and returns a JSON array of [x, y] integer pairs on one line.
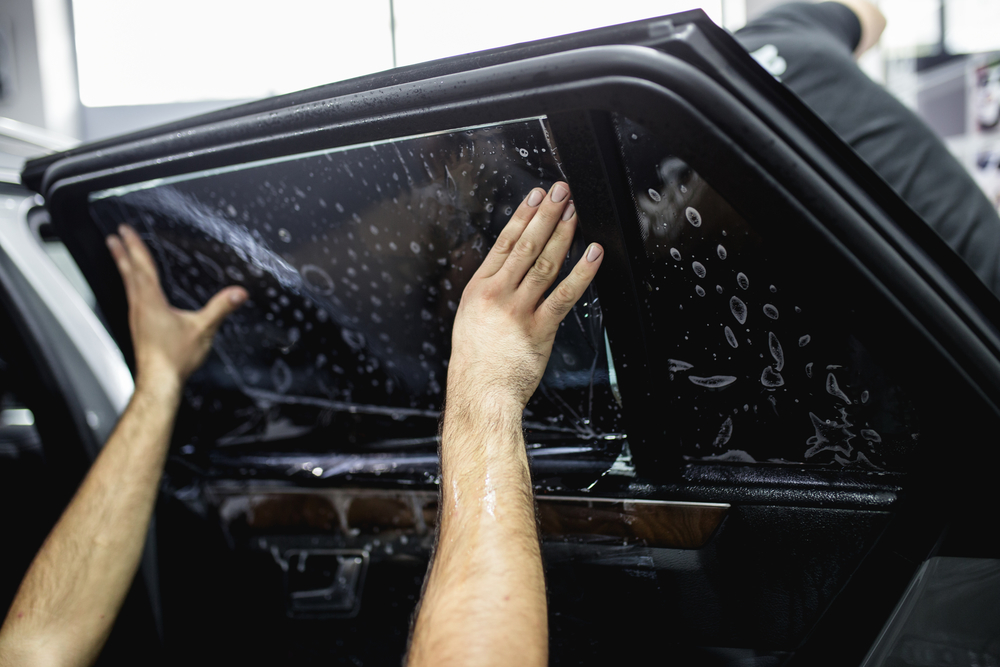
[[355, 259], [760, 367]]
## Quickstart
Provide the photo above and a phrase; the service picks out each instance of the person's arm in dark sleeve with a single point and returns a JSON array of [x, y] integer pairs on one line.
[[872, 23], [857, 25]]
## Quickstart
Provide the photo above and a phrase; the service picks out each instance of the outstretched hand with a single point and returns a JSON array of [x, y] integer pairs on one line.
[[169, 343], [505, 325]]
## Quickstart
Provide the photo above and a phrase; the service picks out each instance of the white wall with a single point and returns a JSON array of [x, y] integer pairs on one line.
[[137, 69], [22, 98], [38, 65], [43, 87]]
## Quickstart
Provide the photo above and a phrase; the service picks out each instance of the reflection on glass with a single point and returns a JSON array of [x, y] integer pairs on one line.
[[759, 368], [355, 260]]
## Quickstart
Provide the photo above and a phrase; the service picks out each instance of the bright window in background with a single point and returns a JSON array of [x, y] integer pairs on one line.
[[428, 30], [913, 27], [972, 26], [144, 52]]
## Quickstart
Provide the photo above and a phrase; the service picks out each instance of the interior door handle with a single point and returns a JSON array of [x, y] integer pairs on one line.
[[325, 583]]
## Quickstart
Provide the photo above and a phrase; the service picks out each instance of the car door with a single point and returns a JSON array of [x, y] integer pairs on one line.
[[755, 427]]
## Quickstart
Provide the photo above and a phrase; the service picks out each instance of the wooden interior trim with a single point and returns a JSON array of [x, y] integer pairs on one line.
[[653, 523]]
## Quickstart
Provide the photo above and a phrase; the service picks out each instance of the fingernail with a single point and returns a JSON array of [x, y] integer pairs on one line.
[[593, 252], [559, 192], [570, 210], [535, 197], [237, 296]]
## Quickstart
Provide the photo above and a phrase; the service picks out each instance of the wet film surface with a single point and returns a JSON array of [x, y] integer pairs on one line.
[[355, 260], [760, 369]]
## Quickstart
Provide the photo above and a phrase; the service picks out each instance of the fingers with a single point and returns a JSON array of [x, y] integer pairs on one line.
[[219, 307], [569, 291], [546, 267], [120, 255], [510, 234], [537, 234], [139, 255], [134, 262]]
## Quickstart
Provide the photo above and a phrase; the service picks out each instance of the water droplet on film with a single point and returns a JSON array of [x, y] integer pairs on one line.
[[281, 376], [870, 434], [317, 278], [739, 309], [776, 351], [713, 382], [725, 433], [676, 365], [731, 337], [834, 389], [693, 216], [354, 339], [771, 378]]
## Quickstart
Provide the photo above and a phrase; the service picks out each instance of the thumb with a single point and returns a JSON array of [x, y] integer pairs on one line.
[[220, 306]]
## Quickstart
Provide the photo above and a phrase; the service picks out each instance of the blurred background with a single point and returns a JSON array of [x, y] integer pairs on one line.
[[82, 70]]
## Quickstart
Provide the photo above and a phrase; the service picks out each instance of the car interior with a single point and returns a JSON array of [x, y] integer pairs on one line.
[[768, 414]]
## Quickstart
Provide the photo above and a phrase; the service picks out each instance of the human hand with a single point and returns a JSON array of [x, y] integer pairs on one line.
[[505, 327], [169, 343]]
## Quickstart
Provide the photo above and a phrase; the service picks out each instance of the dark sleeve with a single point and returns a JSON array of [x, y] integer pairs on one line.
[[833, 18]]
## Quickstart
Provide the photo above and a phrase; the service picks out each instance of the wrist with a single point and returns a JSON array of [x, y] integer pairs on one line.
[[480, 389], [162, 383], [481, 425], [481, 406]]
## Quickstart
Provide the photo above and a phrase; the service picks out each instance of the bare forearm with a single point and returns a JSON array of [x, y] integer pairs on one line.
[[485, 598], [69, 598]]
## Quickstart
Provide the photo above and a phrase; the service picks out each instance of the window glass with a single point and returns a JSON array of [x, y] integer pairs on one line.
[[759, 368], [355, 260]]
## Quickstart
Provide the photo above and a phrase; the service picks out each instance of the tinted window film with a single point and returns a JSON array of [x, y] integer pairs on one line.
[[757, 367], [355, 260]]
